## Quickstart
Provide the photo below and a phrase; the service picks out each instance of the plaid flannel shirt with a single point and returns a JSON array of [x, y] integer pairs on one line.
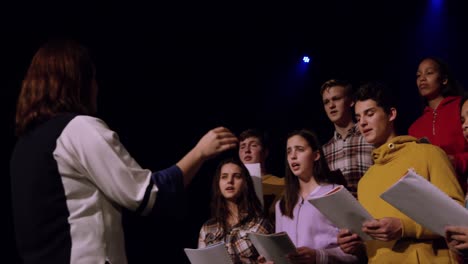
[[352, 155], [239, 246]]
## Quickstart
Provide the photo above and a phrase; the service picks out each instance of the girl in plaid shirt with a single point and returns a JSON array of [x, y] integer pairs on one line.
[[236, 210]]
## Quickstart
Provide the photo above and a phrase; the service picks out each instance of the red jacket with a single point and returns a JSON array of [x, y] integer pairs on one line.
[[442, 127]]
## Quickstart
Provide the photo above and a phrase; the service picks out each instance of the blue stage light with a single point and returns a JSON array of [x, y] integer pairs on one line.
[[306, 59]]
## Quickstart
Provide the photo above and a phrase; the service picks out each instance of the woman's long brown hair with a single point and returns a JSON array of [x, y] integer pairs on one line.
[[59, 79]]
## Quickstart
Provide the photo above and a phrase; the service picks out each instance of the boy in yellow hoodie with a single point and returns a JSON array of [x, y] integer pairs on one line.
[[396, 237]]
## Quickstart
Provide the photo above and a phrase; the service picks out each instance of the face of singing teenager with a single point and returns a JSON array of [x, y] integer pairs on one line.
[[374, 123], [251, 151], [464, 119], [429, 79], [337, 105], [301, 157], [231, 181]]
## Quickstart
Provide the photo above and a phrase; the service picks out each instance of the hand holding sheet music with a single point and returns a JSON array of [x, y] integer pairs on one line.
[[343, 210], [274, 247], [426, 204]]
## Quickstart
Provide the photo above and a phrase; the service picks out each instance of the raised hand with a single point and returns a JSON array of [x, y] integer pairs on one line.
[[211, 144], [215, 141]]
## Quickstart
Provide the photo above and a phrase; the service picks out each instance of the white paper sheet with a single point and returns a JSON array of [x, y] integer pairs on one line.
[[426, 204], [255, 171], [274, 247], [215, 254], [343, 210]]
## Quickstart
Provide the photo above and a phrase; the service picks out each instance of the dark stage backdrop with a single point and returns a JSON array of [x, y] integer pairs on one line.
[[170, 72]]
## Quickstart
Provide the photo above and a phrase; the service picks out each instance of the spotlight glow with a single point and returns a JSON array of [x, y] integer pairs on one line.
[[306, 59]]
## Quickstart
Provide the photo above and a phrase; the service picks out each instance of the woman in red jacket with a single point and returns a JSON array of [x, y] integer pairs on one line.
[[440, 121]]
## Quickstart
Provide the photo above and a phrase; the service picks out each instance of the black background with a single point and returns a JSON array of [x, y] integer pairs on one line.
[[169, 72]]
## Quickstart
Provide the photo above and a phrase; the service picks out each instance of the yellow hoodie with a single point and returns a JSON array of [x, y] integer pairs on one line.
[[391, 161], [273, 189]]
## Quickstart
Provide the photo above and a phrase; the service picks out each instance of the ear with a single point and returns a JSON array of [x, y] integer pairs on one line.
[[317, 155], [393, 114], [445, 81]]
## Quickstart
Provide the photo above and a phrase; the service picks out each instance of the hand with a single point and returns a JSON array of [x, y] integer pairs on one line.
[[349, 242], [303, 255], [457, 237], [215, 141], [384, 229]]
